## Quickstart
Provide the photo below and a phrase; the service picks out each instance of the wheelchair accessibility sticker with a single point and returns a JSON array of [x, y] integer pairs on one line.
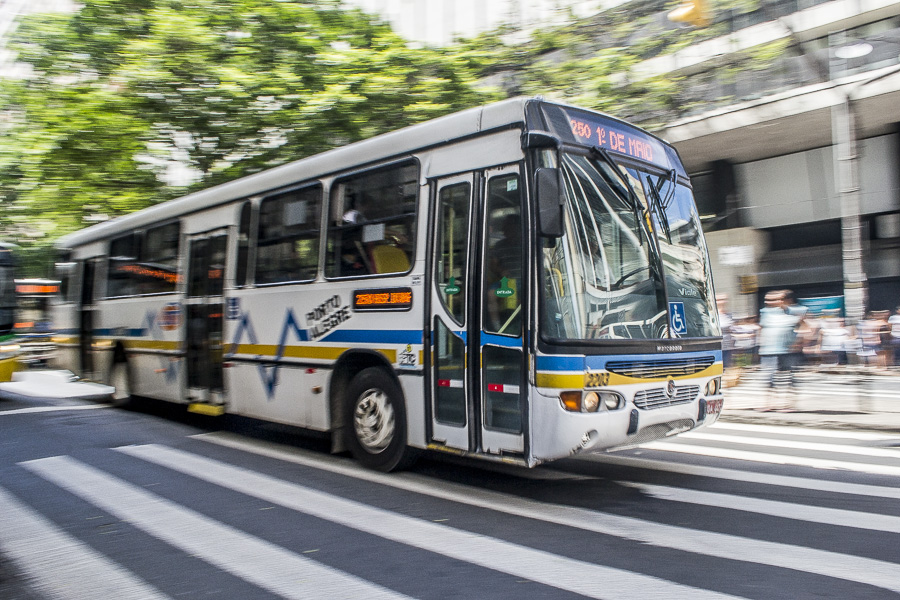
[[677, 318]]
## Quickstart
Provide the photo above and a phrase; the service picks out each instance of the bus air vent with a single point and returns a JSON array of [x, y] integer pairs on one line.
[[657, 397], [666, 367]]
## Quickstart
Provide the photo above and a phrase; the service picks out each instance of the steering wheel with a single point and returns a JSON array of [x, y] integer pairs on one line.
[[625, 277]]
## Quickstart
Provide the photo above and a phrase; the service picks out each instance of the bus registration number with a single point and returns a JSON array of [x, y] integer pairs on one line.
[[714, 407]]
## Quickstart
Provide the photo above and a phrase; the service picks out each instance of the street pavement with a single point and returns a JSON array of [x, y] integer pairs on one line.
[[851, 399]]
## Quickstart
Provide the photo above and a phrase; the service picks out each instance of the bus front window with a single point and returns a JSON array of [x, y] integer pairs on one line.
[[683, 252], [600, 278]]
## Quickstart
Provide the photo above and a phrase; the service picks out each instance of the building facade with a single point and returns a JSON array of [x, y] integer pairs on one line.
[[796, 165]]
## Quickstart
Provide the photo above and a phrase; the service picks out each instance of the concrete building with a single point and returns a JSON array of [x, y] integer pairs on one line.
[[783, 180]]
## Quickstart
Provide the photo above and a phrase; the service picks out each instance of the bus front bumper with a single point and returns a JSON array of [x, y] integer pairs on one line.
[[562, 433]]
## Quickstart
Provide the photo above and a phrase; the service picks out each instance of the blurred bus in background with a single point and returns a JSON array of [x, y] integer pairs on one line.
[[9, 348], [33, 322], [520, 282]]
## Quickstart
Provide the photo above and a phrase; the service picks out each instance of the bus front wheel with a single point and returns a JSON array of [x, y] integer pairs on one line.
[[375, 421]]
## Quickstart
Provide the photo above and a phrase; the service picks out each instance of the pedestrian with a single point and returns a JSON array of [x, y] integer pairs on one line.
[[833, 336], [726, 322], [776, 338], [869, 331], [894, 322]]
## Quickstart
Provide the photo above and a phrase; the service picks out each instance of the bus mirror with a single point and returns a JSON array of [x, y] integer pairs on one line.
[[539, 139], [549, 202]]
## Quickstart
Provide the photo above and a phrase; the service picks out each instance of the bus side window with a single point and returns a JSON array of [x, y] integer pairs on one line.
[[373, 222], [288, 236], [158, 269], [243, 245], [121, 278]]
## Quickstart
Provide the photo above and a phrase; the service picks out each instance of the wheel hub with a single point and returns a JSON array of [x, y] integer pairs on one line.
[[373, 421]]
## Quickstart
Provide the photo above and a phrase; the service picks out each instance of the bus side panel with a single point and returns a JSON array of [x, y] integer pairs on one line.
[[150, 330], [283, 343], [65, 337]]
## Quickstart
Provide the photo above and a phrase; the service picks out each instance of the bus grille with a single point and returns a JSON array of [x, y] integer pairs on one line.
[[667, 367], [657, 398]]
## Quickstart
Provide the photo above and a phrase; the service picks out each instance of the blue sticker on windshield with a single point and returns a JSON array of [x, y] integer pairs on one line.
[[677, 318]]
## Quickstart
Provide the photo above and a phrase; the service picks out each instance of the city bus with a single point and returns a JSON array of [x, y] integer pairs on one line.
[[33, 323], [520, 282], [9, 348]]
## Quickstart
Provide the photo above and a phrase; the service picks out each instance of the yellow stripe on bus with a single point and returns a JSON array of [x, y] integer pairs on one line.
[[315, 352], [577, 380]]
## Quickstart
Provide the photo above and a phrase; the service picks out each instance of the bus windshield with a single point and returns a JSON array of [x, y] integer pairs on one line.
[[604, 278]]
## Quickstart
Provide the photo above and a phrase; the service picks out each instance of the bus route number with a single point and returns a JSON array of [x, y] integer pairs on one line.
[[596, 379]]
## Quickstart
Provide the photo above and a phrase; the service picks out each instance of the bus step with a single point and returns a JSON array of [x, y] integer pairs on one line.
[[210, 410]]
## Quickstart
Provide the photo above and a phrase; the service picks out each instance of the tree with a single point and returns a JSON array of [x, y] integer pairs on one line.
[[136, 101]]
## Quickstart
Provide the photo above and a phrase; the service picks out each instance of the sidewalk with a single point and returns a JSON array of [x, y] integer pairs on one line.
[[845, 400]]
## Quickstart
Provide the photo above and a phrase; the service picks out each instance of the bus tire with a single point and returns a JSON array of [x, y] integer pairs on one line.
[[120, 378], [375, 421]]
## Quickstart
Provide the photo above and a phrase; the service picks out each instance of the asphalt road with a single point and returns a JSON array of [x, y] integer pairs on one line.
[[104, 503]]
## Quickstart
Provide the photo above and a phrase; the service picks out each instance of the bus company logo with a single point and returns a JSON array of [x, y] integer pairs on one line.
[[326, 317], [170, 317], [670, 388]]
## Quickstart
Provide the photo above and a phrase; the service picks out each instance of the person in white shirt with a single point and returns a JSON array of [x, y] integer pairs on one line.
[[894, 322]]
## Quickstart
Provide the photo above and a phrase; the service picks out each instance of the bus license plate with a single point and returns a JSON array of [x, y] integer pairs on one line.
[[714, 407]]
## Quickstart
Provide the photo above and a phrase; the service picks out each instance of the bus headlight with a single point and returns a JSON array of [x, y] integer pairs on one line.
[[612, 400], [714, 386], [592, 401]]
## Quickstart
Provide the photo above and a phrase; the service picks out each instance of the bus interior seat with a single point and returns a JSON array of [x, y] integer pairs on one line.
[[389, 259]]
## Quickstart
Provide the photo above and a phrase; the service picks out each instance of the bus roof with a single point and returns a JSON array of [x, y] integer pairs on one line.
[[442, 129], [499, 115]]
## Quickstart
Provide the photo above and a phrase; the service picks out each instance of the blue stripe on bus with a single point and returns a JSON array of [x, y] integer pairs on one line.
[[560, 363], [599, 362], [374, 336], [500, 340], [580, 363]]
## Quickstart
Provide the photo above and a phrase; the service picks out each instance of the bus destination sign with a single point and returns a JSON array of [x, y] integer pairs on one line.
[[629, 143], [383, 299], [592, 129]]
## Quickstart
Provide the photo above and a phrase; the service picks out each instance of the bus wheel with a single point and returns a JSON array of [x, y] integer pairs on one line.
[[376, 421], [120, 378]]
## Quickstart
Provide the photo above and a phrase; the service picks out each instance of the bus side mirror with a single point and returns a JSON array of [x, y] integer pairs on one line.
[[549, 202]]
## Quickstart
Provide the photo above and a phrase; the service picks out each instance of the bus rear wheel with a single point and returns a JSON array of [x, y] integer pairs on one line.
[[375, 421]]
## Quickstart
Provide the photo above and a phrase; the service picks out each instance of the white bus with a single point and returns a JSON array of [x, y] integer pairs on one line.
[[522, 282]]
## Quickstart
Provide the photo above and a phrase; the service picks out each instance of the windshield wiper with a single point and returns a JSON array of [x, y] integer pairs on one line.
[[631, 195], [660, 205]]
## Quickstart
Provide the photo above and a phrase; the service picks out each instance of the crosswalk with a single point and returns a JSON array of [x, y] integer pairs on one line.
[[820, 389], [586, 547]]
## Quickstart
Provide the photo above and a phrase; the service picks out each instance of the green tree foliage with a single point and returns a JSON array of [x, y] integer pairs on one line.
[[128, 94], [123, 90]]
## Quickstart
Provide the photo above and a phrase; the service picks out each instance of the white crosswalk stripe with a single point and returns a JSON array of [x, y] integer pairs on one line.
[[808, 560], [60, 565], [257, 561], [66, 568], [550, 569], [817, 454]]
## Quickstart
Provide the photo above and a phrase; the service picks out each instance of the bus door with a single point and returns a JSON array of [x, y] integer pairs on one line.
[[204, 305], [87, 310], [478, 372]]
